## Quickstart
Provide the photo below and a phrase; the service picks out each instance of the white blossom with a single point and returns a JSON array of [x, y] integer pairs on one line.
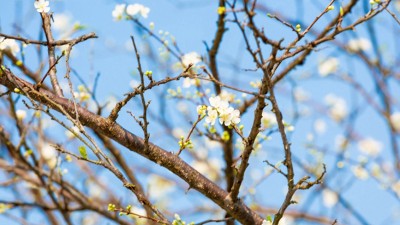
[[208, 168], [188, 82], [328, 66], [137, 9], [191, 58], [212, 115], [396, 188], [341, 142], [395, 120], [268, 120], [370, 146], [217, 103], [62, 22], [330, 198], [71, 135], [21, 114], [226, 96], [229, 116], [159, 186], [265, 222], [178, 132], [360, 172], [320, 126], [9, 44], [118, 11], [42, 6], [220, 109], [49, 154], [300, 95], [361, 44], [337, 107]]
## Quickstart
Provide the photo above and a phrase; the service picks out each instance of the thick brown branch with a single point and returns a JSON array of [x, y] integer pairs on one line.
[[164, 158]]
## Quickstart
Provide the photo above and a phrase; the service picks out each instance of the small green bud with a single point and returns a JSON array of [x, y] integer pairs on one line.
[[148, 73], [83, 152], [298, 27], [225, 136], [111, 207], [18, 63]]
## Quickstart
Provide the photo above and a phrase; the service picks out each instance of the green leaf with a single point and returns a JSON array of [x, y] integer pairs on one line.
[[82, 151]]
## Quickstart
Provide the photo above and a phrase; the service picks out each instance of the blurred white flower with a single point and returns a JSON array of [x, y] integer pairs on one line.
[[188, 82], [376, 170], [360, 173], [42, 6], [265, 222], [211, 144], [178, 132], [255, 174], [90, 220], [370, 146], [255, 84], [83, 95], [134, 84], [286, 220], [300, 94], [330, 198], [118, 11], [396, 188], [209, 169], [320, 126], [9, 44], [337, 107], [137, 9], [341, 142], [62, 22], [140, 211], [361, 44], [159, 186], [49, 154], [71, 135], [182, 107], [395, 120], [191, 58], [95, 191], [21, 114], [226, 96], [268, 120], [111, 102], [289, 127], [328, 66]]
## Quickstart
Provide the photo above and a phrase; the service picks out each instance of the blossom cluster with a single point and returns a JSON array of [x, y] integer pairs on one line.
[[328, 66], [191, 58], [337, 107], [83, 94], [132, 10], [42, 6], [219, 109]]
